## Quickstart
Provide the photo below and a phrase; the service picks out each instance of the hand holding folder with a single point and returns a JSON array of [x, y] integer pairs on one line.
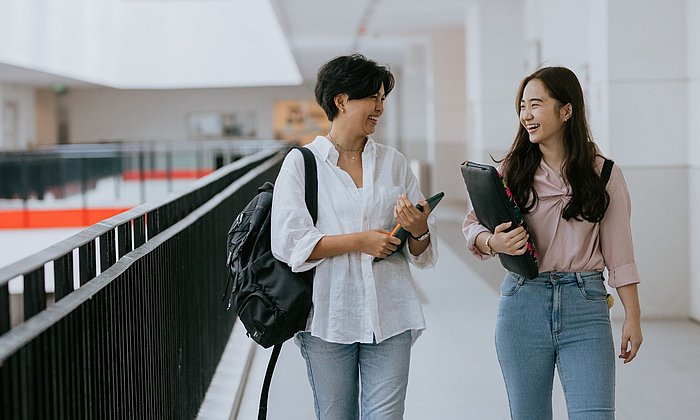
[[401, 233], [494, 205]]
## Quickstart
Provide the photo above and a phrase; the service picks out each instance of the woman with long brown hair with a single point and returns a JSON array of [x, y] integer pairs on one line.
[[580, 225]]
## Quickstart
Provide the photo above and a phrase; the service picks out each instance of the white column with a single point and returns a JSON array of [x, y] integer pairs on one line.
[[495, 49], [17, 117], [447, 115], [413, 102], [413, 85], [693, 55], [4, 143]]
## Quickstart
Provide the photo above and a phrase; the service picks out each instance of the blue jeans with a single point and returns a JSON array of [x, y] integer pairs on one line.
[[339, 372], [562, 320]]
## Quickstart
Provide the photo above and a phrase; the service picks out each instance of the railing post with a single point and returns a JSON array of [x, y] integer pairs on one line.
[[107, 250], [139, 231], [124, 238], [34, 293], [87, 262], [63, 276]]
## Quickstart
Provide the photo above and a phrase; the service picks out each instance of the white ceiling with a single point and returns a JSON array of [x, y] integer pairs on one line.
[[316, 30], [24, 76]]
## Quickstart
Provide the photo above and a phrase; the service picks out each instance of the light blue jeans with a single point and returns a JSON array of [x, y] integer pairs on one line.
[[339, 372], [562, 320]]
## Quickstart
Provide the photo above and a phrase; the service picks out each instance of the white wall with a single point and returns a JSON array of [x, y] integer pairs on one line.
[[107, 114], [46, 117], [17, 124], [693, 54], [412, 90], [100, 114], [447, 142], [495, 45]]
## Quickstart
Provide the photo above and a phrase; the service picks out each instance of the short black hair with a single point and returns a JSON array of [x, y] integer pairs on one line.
[[354, 75]]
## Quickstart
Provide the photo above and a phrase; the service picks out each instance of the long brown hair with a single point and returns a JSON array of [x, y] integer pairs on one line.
[[589, 199]]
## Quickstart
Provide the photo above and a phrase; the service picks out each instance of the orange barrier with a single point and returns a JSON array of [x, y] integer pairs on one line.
[[134, 175], [36, 218]]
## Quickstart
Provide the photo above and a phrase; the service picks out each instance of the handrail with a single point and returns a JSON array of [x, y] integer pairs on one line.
[[142, 338], [39, 258], [22, 334], [115, 237]]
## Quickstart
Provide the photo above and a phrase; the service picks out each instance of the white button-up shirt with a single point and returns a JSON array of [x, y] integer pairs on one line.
[[354, 298]]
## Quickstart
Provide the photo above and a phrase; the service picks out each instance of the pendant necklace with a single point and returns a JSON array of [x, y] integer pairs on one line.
[[354, 151]]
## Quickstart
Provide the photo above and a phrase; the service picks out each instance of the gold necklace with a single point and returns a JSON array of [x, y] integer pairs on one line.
[[356, 151]]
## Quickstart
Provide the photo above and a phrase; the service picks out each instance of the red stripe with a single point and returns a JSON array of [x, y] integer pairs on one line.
[[22, 219], [135, 175]]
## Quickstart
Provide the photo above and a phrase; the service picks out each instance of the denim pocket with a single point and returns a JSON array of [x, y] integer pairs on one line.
[[510, 285], [593, 289]]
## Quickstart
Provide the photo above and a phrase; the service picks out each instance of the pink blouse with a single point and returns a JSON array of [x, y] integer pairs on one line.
[[571, 246]]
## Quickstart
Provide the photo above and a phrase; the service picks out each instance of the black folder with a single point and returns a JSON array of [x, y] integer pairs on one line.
[[493, 205]]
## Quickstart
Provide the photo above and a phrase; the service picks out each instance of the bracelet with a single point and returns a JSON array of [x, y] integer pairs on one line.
[[488, 246]]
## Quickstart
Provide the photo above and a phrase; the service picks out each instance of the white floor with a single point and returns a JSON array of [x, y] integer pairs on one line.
[[454, 371], [19, 243]]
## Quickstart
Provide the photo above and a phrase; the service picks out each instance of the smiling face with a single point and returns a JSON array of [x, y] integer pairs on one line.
[[363, 114], [543, 117]]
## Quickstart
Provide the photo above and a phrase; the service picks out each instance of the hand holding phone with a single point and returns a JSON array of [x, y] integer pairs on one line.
[[403, 234]]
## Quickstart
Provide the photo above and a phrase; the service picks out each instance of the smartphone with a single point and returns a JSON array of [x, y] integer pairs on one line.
[[403, 234]]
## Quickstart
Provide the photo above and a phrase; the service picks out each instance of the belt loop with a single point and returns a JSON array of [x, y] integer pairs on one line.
[[521, 280], [579, 279]]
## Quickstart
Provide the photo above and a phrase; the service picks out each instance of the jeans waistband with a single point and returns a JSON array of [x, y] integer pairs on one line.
[[562, 277]]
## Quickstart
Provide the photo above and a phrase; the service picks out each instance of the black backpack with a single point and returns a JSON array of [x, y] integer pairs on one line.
[[272, 302]]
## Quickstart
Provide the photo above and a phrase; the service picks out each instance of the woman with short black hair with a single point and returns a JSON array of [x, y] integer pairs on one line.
[[366, 315]]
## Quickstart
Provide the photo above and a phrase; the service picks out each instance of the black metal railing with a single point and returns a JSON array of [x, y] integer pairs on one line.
[[84, 176], [142, 338]]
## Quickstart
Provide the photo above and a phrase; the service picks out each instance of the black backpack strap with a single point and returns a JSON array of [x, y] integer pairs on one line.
[[311, 181], [262, 409], [311, 199], [606, 171]]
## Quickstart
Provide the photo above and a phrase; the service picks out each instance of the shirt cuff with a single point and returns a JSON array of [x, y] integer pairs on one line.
[[623, 275], [428, 257], [303, 249]]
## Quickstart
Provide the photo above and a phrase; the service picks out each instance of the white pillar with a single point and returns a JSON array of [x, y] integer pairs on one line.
[[413, 102], [17, 116], [447, 115], [693, 56], [495, 49], [413, 108]]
